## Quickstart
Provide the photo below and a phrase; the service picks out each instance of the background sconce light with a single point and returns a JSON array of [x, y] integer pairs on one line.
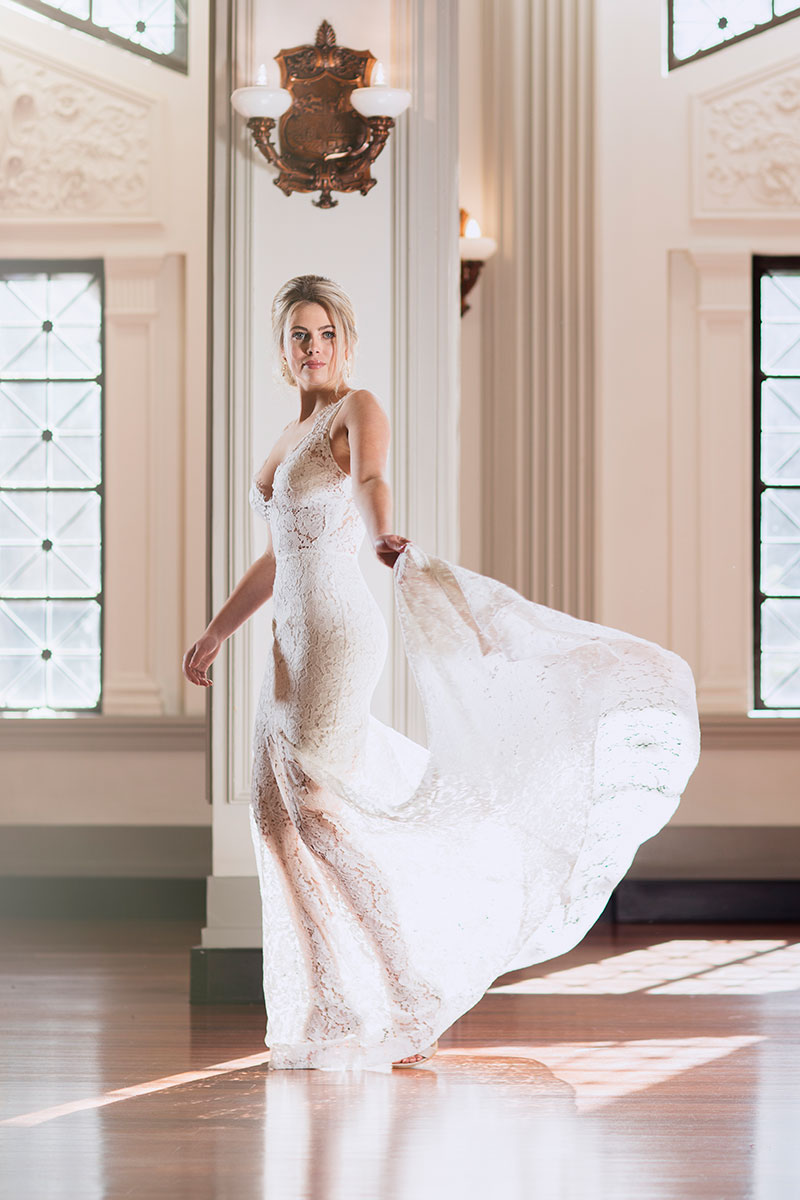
[[334, 110], [474, 249]]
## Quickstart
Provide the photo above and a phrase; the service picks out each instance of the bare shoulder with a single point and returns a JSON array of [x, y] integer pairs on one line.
[[362, 408], [368, 434]]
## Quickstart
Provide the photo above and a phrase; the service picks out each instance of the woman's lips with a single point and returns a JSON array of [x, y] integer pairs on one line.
[[314, 365]]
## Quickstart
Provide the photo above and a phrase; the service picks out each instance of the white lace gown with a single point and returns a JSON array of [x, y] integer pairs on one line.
[[399, 882]]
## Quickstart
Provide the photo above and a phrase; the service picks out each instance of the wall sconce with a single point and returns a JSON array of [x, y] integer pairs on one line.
[[473, 251], [335, 113]]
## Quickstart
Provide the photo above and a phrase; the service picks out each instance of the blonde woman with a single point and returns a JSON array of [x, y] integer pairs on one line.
[[398, 881]]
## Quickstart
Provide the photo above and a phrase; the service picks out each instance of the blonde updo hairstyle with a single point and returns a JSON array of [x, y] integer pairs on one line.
[[316, 289]]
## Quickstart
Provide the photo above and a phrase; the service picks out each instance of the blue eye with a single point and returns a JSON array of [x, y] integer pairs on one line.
[[329, 333]]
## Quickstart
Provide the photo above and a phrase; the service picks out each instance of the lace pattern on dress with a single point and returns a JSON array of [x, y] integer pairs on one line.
[[399, 881]]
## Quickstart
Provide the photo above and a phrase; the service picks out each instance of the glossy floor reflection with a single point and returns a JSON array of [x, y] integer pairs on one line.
[[651, 1061]]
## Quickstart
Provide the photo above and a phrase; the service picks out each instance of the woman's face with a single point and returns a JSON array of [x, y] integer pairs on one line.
[[310, 346]]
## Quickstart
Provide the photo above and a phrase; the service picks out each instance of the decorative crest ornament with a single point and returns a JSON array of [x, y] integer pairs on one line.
[[332, 124]]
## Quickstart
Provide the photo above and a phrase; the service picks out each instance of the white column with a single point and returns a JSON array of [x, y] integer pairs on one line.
[[538, 300], [233, 916], [425, 452]]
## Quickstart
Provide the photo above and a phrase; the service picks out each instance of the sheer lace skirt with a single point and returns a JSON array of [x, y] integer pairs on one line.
[[398, 882]]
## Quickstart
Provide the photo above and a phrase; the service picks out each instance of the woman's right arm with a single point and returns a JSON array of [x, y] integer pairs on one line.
[[252, 590]]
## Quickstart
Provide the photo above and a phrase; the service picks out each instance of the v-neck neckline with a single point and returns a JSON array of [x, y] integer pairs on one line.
[[284, 461]]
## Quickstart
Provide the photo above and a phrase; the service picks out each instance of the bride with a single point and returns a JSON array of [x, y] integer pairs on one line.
[[398, 881]]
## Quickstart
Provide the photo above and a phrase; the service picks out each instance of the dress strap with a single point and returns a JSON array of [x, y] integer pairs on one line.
[[328, 412], [320, 431]]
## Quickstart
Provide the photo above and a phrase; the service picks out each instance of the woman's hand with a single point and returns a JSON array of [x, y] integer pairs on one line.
[[389, 547], [199, 657]]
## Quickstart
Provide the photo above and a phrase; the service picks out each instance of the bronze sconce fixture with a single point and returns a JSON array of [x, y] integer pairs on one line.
[[334, 114], [474, 249]]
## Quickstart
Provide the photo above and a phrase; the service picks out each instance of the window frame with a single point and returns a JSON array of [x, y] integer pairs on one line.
[[175, 62], [763, 264], [673, 63], [95, 266]]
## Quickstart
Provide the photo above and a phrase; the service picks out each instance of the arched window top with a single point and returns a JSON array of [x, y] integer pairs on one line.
[[700, 27], [155, 29]]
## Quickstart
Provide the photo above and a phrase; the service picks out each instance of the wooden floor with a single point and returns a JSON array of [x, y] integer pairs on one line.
[[652, 1061]]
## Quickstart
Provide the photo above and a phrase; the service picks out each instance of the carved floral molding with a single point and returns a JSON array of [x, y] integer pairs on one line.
[[70, 146], [746, 147]]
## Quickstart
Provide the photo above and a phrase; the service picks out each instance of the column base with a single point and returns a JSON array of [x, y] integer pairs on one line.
[[226, 975]]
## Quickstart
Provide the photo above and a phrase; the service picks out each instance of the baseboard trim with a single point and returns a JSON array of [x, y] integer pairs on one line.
[[233, 975], [224, 975], [715, 900], [760, 853], [87, 899]]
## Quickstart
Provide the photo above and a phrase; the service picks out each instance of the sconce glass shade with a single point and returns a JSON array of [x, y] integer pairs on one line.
[[476, 249], [260, 101], [380, 101], [322, 141]]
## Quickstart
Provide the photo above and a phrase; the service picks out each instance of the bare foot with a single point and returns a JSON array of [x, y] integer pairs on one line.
[[413, 1059]]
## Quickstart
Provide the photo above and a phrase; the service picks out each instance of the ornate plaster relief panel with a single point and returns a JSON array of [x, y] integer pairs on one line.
[[73, 147], [746, 147]]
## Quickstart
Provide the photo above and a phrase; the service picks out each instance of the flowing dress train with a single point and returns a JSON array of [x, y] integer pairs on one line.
[[398, 882]]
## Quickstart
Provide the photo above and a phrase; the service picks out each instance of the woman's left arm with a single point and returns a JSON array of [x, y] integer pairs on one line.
[[368, 434]]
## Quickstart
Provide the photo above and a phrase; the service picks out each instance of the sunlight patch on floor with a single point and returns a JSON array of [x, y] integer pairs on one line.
[[137, 1089], [730, 966], [603, 1072], [599, 1072]]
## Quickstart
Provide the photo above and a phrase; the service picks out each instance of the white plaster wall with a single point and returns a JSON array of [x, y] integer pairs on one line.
[[104, 787], [674, 376], [154, 247], [643, 197], [471, 197], [672, 536], [755, 787]]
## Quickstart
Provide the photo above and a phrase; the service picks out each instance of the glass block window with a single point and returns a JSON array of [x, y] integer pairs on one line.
[[699, 27], [156, 29], [776, 329], [51, 384]]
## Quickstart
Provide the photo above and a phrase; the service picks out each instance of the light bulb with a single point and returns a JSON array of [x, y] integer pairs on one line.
[[261, 78], [378, 76], [472, 229]]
